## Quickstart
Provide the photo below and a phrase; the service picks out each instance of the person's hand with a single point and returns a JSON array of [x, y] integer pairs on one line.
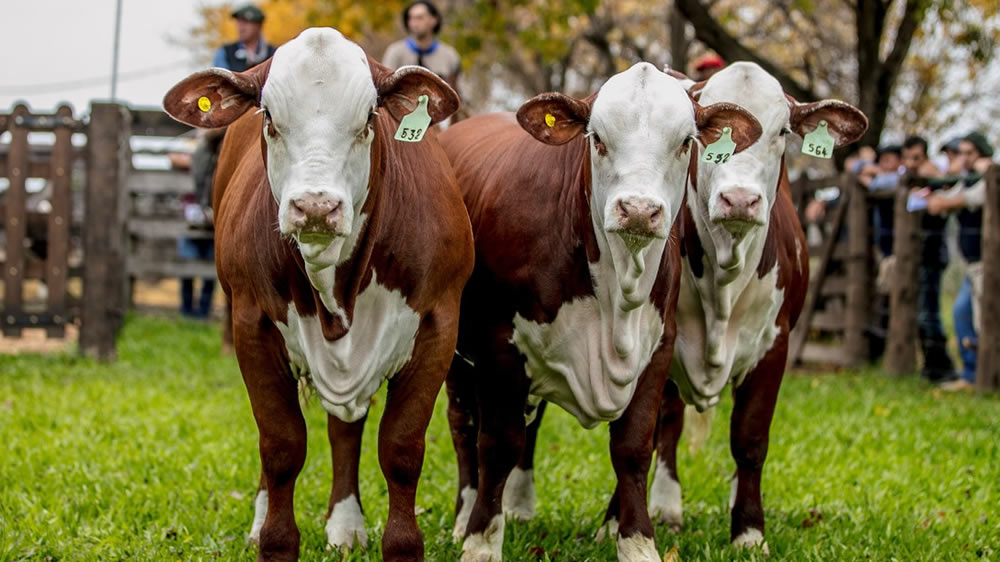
[[981, 165], [867, 153], [937, 205], [815, 211]]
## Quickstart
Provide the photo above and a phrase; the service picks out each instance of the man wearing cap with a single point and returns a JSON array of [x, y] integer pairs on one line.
[[251, 49], [422, 47], [967, 198], [707, 65]]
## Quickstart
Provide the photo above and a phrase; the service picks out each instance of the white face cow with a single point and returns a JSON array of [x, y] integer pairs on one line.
[[320, 96], [641, 126], [737, 196]]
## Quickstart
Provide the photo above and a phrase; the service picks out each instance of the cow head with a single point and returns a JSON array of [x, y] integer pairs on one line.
[[642, 126], [320, 96], [736, 197]]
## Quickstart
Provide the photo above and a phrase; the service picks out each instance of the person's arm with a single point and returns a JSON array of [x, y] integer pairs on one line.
[[882, 182]]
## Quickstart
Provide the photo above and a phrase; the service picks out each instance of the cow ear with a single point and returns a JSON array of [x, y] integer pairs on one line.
[[554, 118], [399, 91], [215, 97], [845, 122], [712, 119]]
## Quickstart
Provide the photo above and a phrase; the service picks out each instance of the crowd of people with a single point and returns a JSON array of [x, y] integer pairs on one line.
[[955, 186]]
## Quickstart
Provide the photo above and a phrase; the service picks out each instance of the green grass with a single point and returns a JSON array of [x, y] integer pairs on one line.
[[154, 458]]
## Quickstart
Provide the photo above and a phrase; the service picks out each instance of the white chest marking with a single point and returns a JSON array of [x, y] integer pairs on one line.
[[347, 372], [573, 362], [722, 333]]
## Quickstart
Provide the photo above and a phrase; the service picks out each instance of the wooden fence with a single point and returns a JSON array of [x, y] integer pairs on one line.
[[842, 295], [102, 224]]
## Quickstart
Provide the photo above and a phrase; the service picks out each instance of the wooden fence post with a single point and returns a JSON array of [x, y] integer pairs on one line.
[[901, 348], [16, 223], [60, 220], [108, 163], [988, 359], [859, 273]]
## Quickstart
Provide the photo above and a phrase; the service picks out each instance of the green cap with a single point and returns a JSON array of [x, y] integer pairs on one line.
[[982, 145], [250, 13]]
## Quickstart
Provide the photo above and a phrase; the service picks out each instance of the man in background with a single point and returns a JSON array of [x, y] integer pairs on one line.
[[250, 49], [422, 47], [938, 367], [966, 200]]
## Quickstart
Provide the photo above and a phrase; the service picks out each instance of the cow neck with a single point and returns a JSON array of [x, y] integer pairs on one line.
[[719, 288], [335, 288]]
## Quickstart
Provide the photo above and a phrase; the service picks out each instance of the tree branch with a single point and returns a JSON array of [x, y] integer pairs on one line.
[[710, 32], [912, 16]]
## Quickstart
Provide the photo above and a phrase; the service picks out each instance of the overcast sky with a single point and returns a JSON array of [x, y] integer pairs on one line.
[[47, 44]]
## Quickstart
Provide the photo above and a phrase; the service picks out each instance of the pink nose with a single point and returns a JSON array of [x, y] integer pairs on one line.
[[315, 213], [739, 204], [640, 215]]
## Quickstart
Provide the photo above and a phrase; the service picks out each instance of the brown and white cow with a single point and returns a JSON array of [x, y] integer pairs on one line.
[[576, 280], [746, 270], [344, 253]]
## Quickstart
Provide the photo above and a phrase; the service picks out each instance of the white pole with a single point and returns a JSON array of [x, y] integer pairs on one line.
[[114, 63]]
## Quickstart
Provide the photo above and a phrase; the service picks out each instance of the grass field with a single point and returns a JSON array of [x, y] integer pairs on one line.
[[154, 458]]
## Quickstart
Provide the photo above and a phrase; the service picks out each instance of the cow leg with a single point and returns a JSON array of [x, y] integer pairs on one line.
[[665, 492], [408, 409], [259, 512], [274, 398], [631, 451], [519, 492], [345, 522], [753, 407], [502, 393], [463, 413]]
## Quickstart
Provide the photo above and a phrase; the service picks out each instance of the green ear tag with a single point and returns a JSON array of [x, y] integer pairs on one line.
[[720, 150], [818, 143], [414, 125]]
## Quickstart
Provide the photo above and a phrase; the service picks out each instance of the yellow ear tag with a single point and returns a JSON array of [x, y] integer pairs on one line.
[[413, 126], [204, 104], [550, 120]]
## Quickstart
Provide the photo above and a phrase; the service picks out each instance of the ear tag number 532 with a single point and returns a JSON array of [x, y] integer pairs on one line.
[[413, 126], [818, 143], [720, 150]]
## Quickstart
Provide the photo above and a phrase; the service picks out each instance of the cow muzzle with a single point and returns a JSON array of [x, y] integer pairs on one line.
[[314, 214], [739, 209], [638, 220]]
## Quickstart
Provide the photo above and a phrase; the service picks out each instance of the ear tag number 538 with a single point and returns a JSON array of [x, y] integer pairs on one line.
[[720, 150], [818, 143], [413, 126]]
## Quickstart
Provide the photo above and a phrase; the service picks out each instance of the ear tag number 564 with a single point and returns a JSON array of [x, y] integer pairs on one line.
[[720, 150], [818, 143], [413, 126]]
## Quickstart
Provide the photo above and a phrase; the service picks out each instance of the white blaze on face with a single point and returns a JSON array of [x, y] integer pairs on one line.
[[317, 99], [754, 172]]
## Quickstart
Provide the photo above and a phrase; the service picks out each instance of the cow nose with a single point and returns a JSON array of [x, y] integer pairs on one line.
[[739, 204], [315, 213], [640, 215]]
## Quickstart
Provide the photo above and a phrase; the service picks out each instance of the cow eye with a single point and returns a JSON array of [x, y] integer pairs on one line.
[[687, 141], [785, 131], [599, 145], [271, 130]]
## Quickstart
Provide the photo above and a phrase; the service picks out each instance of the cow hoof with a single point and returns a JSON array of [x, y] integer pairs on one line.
[[752, 538], [665, 499], [486, 546], [465, 511], [519, 495], [345, 528], [608, 530], [637, 548]]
